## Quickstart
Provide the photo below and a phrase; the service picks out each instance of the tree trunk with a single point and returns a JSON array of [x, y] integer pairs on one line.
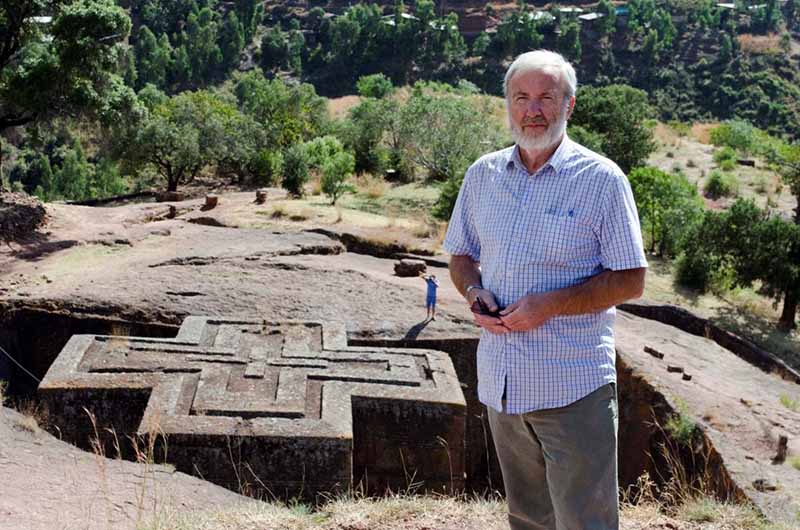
[[790, 300], [172, 184]]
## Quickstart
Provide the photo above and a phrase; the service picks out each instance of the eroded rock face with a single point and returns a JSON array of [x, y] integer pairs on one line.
[[20, 216], [286, 407]]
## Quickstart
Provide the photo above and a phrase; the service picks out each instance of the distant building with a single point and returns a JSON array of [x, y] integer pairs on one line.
[[591, 17]]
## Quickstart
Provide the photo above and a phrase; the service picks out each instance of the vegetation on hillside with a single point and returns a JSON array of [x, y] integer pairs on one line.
[[99, 100]]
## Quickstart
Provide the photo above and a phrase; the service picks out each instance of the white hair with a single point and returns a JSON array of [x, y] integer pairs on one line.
[[543, 60]]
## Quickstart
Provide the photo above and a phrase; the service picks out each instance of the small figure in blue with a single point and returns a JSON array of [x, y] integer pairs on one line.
[[430, 299]]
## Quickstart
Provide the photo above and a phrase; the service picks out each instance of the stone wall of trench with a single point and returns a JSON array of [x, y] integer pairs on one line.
[[35, 336]]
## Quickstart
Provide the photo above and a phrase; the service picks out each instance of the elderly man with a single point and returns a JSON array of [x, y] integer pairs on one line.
[[546, 232]]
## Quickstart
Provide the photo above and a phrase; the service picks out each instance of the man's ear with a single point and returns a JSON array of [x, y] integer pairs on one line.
[[571, 107]]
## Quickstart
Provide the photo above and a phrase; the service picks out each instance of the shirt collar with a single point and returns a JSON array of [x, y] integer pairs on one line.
[[556, 160]]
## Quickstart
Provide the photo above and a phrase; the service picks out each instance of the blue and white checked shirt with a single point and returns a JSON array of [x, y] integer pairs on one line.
[[556, 228]]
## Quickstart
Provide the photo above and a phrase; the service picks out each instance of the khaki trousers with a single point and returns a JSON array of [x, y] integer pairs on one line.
[[560, 465]]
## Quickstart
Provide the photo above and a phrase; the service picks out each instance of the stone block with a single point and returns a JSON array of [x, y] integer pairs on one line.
[[409, 267], [276, 409]]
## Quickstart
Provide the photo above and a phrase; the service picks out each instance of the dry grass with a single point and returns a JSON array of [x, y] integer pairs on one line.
[[339, 107], [408, 512], [356, 513], [702, 132], [760, 44], [374, 187]]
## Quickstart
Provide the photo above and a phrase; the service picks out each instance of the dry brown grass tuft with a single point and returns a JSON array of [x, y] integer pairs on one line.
[[372, 186]]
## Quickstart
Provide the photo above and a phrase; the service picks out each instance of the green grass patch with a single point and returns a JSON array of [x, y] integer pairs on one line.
[[680, 425], [789, 403]]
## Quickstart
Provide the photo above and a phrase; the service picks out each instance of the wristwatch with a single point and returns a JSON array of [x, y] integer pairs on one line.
[[470, 288]]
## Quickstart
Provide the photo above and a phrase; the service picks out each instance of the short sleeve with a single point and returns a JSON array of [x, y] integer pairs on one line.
[[462, 237], [621, 244]]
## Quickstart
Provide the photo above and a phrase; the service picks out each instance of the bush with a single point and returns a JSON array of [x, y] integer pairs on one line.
[[322, 149], [295, 170], [374, 86], [266, 167], [721, 184], [726, 154], [589, 139], [335, 173], [735, 134], [668, 205]]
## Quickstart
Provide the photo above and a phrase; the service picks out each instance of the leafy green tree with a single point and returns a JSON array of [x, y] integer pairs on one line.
[[619, 113], [106, 180], [589, 139], [754, 246], [154, 57], [231, 40], [481, 44], [184, 135], [288, 114], [72, 72], [72, 178], [274, 49], [200, 38], [609, 22], [365, 130], [668, 204], [569, 42], [444, 134], [296, 45], [374, 86], [335, 172]]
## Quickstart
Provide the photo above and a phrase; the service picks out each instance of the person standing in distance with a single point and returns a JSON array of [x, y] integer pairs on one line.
[[430, 295], [547, 232]]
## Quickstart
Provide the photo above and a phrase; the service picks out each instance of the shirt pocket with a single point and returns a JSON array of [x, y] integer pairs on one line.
[[557, 239]]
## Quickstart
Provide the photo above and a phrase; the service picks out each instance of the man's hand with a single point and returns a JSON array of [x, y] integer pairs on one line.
[[529, 312], [489, 323]]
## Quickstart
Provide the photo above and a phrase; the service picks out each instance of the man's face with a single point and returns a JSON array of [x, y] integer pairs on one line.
[[537, 110]]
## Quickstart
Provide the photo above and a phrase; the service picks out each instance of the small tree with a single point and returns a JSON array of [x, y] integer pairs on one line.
[[620, 113], [335, 173], [295, 170], [668, 205]]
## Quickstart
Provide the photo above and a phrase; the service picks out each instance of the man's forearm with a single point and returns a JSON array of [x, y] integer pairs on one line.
[[600, 292], [464, 272]]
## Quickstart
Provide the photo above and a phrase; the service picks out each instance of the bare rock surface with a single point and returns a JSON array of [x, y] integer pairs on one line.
[[51, 485], [138, 261], [738, 407]]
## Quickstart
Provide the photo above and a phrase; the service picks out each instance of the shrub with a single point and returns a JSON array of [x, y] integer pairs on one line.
[[736, 134], [589, 139], [668, 204], [721, 184], [726, 153], [335, 173], [374, 86], [321, 149], [295, 170], [266, 167]]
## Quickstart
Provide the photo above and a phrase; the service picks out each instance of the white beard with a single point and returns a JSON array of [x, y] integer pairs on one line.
[[536, 141]]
